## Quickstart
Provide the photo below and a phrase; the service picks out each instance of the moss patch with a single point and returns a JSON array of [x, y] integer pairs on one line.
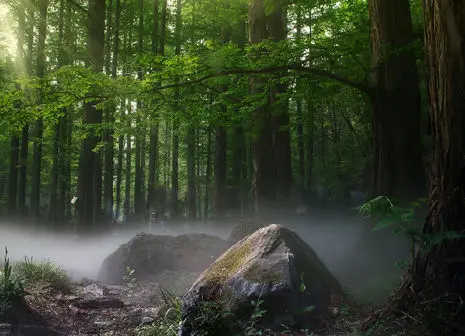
[[228, 265]]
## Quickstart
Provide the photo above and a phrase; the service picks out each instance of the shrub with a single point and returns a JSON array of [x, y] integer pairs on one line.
[[11, 289], [31, 272]]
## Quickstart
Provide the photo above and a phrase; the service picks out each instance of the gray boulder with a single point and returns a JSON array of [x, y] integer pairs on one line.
[[148, 255], [273, 265]]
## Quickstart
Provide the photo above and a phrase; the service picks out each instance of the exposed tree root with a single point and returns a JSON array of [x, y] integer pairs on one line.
[[425, 312]]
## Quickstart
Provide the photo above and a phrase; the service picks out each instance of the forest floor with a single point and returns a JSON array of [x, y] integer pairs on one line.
[[97, 309]]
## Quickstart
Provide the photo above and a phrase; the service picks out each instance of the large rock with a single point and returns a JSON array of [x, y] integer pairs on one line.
[[149, 254], [273, 264]]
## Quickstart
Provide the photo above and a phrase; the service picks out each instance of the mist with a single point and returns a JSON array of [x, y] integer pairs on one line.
[[344, 242]]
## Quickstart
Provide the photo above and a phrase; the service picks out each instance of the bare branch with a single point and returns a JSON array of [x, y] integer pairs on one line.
[[297, 67]]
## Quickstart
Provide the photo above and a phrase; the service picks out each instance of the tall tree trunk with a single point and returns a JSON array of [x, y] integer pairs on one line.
[[24, 149], [300, 119], [277, 24], [264, 169], [90, 169], [37, 146], [108, 139], [175, 155], [397, 161], [439, 273], [58, 146], [153, 172], [138, 185]]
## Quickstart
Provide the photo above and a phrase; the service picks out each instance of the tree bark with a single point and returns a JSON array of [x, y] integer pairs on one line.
[[13, 175], [219, 202], [397, 161], [37, 145], [442, 270], [175, 139], [90, 168], [277, 24], [264, 169], [153, 172]]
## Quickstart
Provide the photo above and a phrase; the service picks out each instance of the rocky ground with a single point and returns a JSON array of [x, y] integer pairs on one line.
[[99, 309]]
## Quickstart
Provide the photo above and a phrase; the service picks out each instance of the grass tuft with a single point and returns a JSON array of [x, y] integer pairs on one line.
[[31, 273]]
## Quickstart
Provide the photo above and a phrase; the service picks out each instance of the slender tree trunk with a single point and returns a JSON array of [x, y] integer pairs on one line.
[[175, 148], [219, 200], [191, 187], [13, 175], [22, 182], [153, 172], [90, 169], [300, 119], [108, 138], [238, 165], [127, 200], [309, 146], [23, 151], [37, 146], [119, 168], [208, 175], [397, 161]]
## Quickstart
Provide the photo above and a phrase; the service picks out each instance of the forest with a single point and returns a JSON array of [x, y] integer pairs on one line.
[[116, 109]]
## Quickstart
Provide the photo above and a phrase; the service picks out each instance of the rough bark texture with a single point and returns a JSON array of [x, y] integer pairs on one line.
[[435, 288], [397, 161], [443, 269]]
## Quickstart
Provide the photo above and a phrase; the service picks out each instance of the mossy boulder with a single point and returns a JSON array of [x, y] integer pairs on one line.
[[273, 265], [148, 255]]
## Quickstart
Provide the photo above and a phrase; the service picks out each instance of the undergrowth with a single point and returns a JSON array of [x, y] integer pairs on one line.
[[15, 277], [208, 312], [31, 272]]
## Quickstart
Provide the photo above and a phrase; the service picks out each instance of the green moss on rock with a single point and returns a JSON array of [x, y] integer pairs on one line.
[[223, 268]]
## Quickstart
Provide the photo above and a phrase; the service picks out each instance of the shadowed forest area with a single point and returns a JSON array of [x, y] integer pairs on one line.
[[148, 145]]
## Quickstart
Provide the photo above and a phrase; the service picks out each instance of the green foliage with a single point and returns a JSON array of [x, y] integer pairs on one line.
[[168, 325], [31, 272], [402, 221], [11, 289]]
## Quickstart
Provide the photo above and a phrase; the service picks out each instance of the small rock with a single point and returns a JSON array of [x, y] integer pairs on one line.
[[146, 320], [29, 330], [6, 329], [99, 303], [102, 324], [93, 290]]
